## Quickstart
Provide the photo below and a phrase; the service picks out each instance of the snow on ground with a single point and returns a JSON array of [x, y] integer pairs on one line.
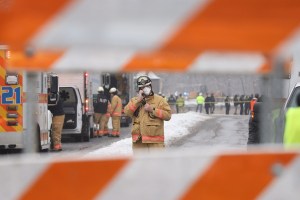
[[175, 129]]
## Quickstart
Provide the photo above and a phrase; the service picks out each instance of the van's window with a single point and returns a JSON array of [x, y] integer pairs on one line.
[[292, 101], [68, 94]]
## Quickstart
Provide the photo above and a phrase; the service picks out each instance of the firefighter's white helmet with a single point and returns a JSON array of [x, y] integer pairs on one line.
[[112, 90], [100, 89]]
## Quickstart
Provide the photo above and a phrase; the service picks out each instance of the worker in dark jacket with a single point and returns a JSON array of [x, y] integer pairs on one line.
[[207, 103], [100, 110], [254, 123], [57, 123]]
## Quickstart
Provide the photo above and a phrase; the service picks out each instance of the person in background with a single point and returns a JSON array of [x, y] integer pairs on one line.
[[255, 123], [227, 105], [116, 111], [235, 103], [57, 122], [180, 103], [212, 103], [148, 112], [241, 104], [247, 105], [100, 110], [207, 103], [172, 103], [200, 101], [253, 101], [291, 136]]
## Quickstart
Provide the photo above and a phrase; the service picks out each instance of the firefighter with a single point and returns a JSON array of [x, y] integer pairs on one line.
[[116, 111], [57, 123], [292, 126], [106, 119], [180, 103], [148, 112], [100, 109]]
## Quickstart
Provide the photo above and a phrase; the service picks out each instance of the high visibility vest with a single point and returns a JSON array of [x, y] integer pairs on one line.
[[292, 127], [200, 99]]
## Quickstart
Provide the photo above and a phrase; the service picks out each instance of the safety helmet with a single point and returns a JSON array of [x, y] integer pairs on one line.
[[112, 90], [100, 89], [143, 81]]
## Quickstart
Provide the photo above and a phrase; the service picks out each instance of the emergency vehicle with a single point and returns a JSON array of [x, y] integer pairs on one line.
[[13, 106], [77, 90]]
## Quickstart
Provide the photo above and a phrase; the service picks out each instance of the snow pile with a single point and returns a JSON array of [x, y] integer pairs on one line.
[[176, 128]]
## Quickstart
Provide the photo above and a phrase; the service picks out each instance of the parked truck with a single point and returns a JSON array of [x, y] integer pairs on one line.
[[77, 90], [13, 106]]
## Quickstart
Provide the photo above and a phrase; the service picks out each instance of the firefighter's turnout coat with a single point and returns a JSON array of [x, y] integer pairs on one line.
[[148, 126]]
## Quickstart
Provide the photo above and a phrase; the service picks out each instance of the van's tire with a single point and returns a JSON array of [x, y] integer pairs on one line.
[[92, 128], [85, 132]]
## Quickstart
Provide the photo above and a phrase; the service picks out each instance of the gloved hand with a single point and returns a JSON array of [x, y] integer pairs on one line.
[[140, 95], [148, 107]]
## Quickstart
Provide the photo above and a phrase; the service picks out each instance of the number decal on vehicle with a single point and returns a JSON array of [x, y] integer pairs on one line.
[[10, 95]]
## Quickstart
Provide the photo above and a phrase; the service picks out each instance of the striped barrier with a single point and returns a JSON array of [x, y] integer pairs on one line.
[[230, 36], [260, 174]]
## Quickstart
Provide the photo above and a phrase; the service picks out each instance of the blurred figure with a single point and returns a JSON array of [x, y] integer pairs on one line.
[[180, 103], [115, 112], [172, 103], [235, 103], [253, 101], [247, 105], [227, 105], [254, 123], [212, 103], [207, 103], [200, 101], [241, 104], [292, 126]]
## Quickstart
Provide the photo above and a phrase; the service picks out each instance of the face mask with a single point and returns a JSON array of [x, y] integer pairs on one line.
[[147, 90]]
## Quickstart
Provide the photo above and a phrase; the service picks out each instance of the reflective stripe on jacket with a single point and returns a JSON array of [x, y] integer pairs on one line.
[[149, 126], [116, 106], [292, 127]]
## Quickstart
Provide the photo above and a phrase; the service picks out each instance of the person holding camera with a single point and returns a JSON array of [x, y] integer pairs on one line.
[[148, 112]]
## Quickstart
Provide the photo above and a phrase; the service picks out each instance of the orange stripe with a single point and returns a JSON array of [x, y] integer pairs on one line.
[[237, 176], [225, 25], [74, 180], [159, 138], [40, 61], [20, 20]]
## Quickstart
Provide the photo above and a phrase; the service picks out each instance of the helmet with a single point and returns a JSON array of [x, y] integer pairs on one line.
[[112, 90], [200, 93], [100, 89], [143, 81]]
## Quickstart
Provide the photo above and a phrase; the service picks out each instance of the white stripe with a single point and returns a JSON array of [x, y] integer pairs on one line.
[[287, 185], [17, 175], [116, 23], [92, 60], [229, 62], [160, 177]]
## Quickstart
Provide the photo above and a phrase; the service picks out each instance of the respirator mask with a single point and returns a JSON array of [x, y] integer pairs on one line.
[[147, 91]]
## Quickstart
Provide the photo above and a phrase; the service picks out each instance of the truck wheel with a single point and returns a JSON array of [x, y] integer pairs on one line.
[[92, 128], [85, 133]]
